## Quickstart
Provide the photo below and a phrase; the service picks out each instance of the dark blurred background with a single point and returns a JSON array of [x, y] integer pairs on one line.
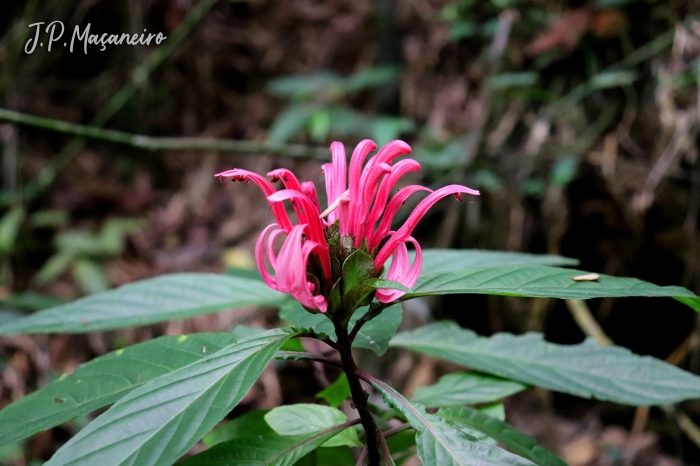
[[578, 121]]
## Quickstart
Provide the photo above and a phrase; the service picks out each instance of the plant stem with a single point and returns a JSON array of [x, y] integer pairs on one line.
[[396, 430], [375, 309], [363, 456], [385, 450], [359, 395]]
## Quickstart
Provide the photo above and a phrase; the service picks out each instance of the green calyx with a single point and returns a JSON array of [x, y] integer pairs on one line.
[[351, 269]]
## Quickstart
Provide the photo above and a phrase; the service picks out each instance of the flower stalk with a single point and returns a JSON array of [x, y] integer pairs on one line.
[[359, 395]]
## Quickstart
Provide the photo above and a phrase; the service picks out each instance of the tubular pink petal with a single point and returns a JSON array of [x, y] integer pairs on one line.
[[270, 247], [291, 268], [302, 290], [329, 172], [339, 170], [343, 214], [260, 256], [401, 273], [397, 171], [265, 186], [309, 216], [388, 153], [336, 177], [308, 212], [407, 228], [289, 180], [321, 303], [362, 204], [358, 158], [390, 212], [308, 188]]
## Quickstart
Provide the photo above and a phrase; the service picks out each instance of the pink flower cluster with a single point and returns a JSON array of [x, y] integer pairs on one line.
[[358, 199]]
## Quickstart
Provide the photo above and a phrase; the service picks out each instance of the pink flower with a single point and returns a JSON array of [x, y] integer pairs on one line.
[[289, 266], [358, 200]]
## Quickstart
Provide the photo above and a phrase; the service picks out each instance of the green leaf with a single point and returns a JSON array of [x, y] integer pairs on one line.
[[103, 381], [337, 456], [371, 77], [267, 450], [8, 315], [357, 268], [587, 370], [160, 421], [245, 331], [537, 281], [402, 446], [693, 303], [303, 85], [10, 224], [54, 267], [50, 218], [31, 301], [148, 301], [386, 129], [508, 80], [564, 171], [374, 335], [12, 454], [337, 392], [79, 242], [91, 276], [494, 410], [441, 443], [114, 230], [304, 418], [504, 434], [380, 283], [466, 388], [319, 124], [246, 425], [449, 260], [607, 79], [288, 123]]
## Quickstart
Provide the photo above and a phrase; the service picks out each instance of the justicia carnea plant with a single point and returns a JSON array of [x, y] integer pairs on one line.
[[311, 261], [338, 275], [328, 258]]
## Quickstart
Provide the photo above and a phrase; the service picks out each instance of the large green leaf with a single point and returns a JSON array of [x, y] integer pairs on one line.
[[252, 423], [588, 370], [374, 335], [148, 301], [158, 422], [538, 281], [268, 450], [103, 381], [337, 392], [305, 418], [7, 315], [441, 443], [496, 410], [517, 442], [449, 260], [466, 388]]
